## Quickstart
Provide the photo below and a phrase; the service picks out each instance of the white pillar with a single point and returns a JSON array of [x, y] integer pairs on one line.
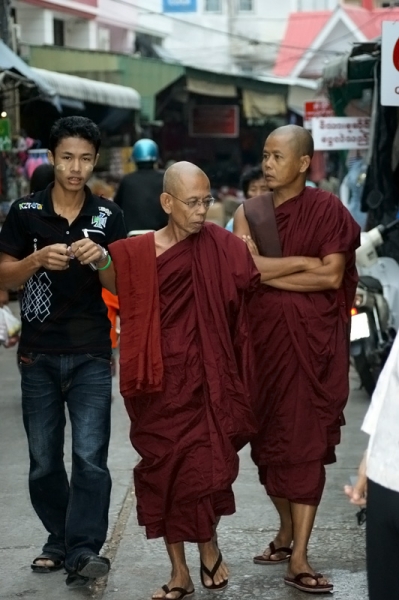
[[37, 26]]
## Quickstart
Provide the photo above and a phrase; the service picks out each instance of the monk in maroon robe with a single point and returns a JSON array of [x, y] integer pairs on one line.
[[186, 363], [300, 324]]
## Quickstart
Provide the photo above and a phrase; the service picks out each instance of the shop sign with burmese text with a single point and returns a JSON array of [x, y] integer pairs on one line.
[[316, 108], [390, 63], [214, 121], [341, 133]]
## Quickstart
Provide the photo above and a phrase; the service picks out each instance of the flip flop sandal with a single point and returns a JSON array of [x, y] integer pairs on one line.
[[263, 560], [215, 587], [183, 593], [297, 583], [58, 563]]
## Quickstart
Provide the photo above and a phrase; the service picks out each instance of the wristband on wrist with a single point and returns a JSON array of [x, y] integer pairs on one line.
[[109, 261]]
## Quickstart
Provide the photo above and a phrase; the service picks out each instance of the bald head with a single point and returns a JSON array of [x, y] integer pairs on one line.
[[298, 137], [180, 176], [186, 197]]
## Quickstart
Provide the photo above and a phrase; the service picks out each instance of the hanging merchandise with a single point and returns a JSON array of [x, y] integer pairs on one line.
[[10, 328], [352, 190], [36, 157]]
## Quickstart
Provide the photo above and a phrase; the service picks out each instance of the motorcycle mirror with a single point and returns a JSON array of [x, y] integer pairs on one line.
[[374, 199]]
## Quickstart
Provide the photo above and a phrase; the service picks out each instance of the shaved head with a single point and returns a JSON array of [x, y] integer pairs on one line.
[[186, 197], [287, 156], [181, 175], [299, 137]]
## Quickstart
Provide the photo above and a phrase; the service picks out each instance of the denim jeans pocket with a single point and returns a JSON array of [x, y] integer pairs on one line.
[[101, 357], [28, 359]]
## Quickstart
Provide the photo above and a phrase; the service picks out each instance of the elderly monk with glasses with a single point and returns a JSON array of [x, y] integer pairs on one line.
[[185, 373]]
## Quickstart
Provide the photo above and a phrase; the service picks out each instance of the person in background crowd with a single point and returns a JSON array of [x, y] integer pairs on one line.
[[252, 184], [300, 326], [139, 192], [42, 177], [378, 483], [55, 244], [112, 304]]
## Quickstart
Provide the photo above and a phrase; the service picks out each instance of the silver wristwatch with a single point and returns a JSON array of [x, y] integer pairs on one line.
[[103, 257]]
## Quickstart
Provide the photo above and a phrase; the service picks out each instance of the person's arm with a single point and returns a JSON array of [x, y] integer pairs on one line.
[[327, 277], [86, 251], [271, 268], [108, 279], [358, 493], [14, 272]]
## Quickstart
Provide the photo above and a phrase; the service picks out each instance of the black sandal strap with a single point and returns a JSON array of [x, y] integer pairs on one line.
[[298, 578], [211, 574]]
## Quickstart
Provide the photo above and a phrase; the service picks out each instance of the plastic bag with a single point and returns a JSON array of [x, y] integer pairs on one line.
[[10, 327]]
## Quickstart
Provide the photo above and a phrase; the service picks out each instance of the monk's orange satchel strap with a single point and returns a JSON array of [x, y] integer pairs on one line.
[[259, 212]]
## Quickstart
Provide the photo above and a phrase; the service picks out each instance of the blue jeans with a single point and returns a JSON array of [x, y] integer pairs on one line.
[[74, 513]]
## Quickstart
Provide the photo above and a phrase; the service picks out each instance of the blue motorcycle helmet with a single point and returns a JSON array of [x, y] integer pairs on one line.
[[145, 150]]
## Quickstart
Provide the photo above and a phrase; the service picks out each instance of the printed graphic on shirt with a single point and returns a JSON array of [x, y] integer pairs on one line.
[[36, 301], [105, 210], [25, 205], [99, 221]]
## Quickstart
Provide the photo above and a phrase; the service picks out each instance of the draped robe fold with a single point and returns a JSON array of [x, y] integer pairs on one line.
[[188, 433], [302, 353]]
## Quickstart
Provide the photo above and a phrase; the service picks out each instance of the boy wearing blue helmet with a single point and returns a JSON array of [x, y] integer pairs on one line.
[[139, 192]]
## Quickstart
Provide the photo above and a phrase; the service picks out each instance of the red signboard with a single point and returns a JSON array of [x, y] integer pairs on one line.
[[316, 108], [214, 121]]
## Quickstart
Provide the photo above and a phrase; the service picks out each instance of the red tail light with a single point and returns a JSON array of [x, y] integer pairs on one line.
[[354, 311]]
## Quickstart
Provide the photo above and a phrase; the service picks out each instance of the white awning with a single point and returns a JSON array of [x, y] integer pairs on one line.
[[89, 90], [210, 88], [258, 106]]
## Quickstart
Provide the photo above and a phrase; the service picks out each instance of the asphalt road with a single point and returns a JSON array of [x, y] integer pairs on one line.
[[139, 566]]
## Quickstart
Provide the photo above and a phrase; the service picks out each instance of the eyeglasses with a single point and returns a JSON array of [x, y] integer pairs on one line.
[[194, 202]]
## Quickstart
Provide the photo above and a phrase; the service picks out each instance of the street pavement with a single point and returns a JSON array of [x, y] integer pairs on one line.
[[140, 566]]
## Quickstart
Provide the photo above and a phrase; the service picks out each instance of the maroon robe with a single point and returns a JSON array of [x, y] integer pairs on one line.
[[187, 435], [302, 353]]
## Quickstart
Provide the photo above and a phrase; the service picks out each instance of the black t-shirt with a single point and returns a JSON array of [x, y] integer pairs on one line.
[[62, 311], [139, 198]]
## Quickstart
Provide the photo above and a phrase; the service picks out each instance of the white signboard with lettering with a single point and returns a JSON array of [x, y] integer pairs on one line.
[[341, 133], [390, 63]]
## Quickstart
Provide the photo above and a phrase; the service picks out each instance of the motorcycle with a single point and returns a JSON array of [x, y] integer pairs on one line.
[[375, 313]]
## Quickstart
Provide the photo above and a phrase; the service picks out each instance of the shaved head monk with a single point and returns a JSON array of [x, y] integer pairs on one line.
[[185, 369], [300, 325]]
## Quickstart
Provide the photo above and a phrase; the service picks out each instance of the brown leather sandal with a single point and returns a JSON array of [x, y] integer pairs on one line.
[[263, 560], [319, 588], [183, 593]]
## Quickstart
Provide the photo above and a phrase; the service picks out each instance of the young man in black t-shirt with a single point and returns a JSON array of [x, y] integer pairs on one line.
[[54, 242]]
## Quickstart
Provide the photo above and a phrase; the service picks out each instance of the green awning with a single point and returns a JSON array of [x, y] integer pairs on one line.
[[346, 78]]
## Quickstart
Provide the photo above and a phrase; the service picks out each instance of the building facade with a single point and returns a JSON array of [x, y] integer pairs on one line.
[[234, 36]]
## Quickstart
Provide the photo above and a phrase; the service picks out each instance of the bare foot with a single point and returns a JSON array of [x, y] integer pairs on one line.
[[44, 562], [209, 553], [181, 580], [279, 541]]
